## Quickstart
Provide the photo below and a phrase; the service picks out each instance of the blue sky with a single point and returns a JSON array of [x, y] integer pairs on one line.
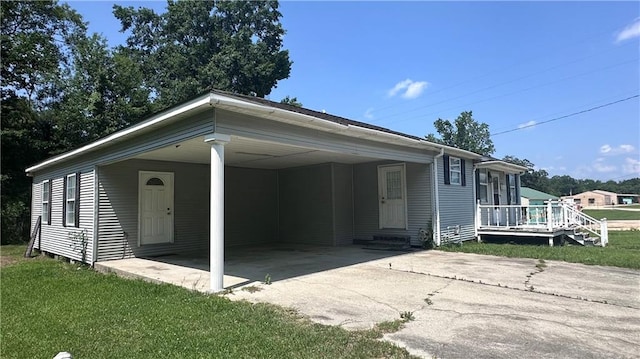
[[402, 65]]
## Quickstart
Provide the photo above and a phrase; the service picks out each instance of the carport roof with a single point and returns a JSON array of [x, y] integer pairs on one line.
[[260, 107]]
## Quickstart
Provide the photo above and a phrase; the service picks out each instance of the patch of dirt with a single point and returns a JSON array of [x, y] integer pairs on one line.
[[7, 261], [623, 224]]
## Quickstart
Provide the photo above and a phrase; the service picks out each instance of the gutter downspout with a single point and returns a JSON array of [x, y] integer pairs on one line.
[[436, 229]]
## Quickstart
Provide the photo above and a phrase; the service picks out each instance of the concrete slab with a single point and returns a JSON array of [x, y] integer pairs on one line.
[[468, 305], [465, 305], [159, 272]]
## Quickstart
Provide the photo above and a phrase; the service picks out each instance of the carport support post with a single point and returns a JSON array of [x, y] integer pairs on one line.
[[216, 211]]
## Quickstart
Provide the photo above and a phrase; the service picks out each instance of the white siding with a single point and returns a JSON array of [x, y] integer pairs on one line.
[[118, 210], [36, 206], [365, 183], [56, 238]]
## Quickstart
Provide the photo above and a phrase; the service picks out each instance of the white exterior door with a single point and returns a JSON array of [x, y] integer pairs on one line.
[[155, 203], [392, 194]]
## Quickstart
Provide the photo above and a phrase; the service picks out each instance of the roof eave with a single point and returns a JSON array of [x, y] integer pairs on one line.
[[122, 134]]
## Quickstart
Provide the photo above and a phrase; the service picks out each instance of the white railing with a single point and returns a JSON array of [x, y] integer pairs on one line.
[[550, 216]]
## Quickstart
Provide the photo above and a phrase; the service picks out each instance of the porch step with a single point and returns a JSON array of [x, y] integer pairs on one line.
[[583, 238], [386, 243]]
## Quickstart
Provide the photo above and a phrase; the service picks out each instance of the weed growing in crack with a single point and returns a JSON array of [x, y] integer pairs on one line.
[[407, 316], [267, 279], [428, 301], [251, 289]]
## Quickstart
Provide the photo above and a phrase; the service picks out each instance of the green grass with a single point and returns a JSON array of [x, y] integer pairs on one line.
[[613, 214], [623, 250], [50, 306]]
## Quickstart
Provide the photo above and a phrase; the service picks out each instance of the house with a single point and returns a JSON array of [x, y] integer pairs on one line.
[[599, 198], [227, 170], [530, 196]]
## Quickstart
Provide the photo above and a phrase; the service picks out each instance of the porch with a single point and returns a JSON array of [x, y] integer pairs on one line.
[[555, 220]]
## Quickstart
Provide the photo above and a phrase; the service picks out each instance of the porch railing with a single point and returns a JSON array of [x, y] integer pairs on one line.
[[550, 216]]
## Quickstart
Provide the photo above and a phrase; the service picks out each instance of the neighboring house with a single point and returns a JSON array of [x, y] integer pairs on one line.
[[232, 170], [598, 198], [530, 196]]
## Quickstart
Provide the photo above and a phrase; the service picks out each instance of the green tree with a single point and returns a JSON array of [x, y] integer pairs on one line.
[[532, 178], [198, 45], [101, 93], [465, 133], [36, 38], [293, 101]]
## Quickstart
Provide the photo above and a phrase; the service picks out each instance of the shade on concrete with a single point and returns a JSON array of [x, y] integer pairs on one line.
[[243, 265]]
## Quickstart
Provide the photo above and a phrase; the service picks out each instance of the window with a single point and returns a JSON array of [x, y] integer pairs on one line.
[[512, 189], [455, 170], [46, 202], [483, 186], [592, 200], [70, 200]]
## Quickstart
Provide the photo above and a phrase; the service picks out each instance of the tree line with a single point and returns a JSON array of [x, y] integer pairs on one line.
[[63, 87]]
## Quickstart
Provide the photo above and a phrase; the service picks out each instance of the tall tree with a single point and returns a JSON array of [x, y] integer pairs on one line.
[[36, 38], [193, 46], [101, 94], [465, 133]]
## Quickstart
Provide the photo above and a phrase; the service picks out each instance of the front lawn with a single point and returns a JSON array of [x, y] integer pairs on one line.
[[613, 214], [49, 306], [623, 250]]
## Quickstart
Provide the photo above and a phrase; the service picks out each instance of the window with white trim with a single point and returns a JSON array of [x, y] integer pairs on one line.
[[483, 186], [70, 201], [46, 205], [455, 170]]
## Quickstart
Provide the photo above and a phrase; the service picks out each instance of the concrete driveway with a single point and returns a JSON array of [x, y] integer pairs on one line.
[[470, 306]]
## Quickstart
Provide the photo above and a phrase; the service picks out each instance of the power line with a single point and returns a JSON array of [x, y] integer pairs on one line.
[[491, 86], [514, 64], [573, 108], [565, 116], [508, 93]]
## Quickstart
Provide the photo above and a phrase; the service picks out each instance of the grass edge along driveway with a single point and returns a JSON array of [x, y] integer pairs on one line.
[[49, 306], [623, 250]]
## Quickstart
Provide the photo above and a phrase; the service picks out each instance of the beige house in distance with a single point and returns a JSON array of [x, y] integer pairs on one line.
[[598, 198]]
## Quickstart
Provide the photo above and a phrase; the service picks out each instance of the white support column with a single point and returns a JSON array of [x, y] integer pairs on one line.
[[549, 216], [216, 210]]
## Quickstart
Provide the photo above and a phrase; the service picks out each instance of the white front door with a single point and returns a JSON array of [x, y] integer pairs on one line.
[[392, 196], [155, 207]]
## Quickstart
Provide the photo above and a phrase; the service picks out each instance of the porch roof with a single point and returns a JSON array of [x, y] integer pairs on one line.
[[262, 108]]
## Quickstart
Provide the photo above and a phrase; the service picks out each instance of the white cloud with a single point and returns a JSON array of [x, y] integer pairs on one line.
[[612, 151], [631, 165], [368, 114], [627, 148], [601, 166], [408, 88], [631, 31], [527, 124]]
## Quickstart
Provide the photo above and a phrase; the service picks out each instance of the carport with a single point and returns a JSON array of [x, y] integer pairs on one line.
[[262, 177]]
